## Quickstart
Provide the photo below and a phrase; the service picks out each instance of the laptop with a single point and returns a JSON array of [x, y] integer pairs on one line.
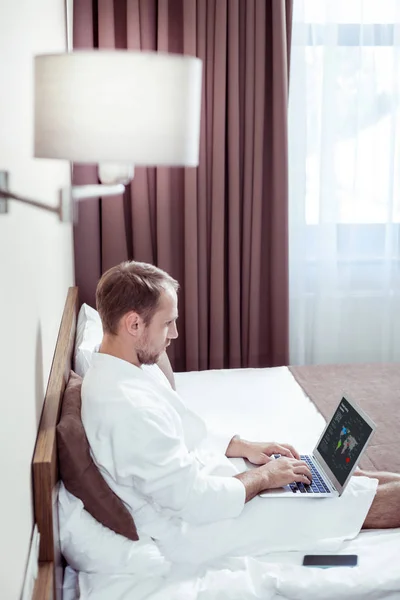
[[335, 455]]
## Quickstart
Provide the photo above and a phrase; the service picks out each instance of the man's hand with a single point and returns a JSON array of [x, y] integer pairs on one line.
[[260, 453], [274, 474], [283, 471]]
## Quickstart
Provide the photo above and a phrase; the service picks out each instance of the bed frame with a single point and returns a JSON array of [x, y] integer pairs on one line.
[[45, 463]]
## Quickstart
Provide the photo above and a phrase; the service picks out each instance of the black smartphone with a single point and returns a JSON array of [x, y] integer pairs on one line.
[[324, 561]]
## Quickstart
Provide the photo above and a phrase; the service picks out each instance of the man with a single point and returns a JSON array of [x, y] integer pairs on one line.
[[175, 478]]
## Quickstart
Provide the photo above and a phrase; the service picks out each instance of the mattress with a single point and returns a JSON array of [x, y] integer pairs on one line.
[[260, 404]]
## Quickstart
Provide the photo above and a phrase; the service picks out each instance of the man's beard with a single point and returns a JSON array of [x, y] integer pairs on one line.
[[145, 357], [144, 354]]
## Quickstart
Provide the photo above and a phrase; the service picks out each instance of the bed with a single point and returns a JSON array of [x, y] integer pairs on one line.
[[273, 392]]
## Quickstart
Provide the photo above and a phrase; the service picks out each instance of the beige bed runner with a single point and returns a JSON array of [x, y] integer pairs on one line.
[[376, 388]]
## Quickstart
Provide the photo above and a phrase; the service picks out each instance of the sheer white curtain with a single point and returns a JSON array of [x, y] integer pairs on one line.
[[344, 166]]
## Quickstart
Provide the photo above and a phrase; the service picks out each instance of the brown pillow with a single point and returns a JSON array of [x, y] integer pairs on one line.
[[78, 472]]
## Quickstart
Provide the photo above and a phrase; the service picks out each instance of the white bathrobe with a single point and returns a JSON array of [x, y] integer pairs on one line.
[[174, 477]]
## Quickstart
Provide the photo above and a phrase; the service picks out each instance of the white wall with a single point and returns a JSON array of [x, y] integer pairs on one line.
[[36, 268]]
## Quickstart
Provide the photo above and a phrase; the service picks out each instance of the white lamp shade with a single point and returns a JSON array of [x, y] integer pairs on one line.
[[120, 106]]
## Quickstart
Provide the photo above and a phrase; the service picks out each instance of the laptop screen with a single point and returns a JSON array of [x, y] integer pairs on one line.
[[344, 440]]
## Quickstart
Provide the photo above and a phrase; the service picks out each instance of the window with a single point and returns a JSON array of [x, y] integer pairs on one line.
[[352, 89]]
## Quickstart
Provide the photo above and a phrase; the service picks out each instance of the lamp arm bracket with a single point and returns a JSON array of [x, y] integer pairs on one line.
[[67, 198]]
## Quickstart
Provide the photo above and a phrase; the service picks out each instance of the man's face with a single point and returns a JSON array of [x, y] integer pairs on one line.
[[161, 330]]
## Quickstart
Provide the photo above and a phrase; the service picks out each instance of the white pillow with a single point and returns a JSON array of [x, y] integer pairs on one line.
[[89, 546], [89, 333]]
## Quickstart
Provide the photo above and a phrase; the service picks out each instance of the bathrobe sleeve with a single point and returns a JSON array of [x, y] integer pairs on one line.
[[149, 453]]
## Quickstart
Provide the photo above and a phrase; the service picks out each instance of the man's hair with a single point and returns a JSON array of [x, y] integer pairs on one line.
[[130, 286]]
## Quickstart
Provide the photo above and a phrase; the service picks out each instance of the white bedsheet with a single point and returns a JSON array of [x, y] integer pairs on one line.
[[261, 404], [257, 403]]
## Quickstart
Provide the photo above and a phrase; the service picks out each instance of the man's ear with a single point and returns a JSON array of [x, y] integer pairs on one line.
[[133, 323]]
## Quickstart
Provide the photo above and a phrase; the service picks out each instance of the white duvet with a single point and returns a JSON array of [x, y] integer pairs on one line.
[[378, 576], [260, 404]]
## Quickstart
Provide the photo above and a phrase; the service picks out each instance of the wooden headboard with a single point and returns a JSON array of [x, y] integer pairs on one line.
[[45, 465]]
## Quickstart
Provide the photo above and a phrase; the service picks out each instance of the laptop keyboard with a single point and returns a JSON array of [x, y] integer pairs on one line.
[[317, 486]]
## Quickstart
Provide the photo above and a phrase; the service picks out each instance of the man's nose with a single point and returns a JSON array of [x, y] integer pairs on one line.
[[173, 331]]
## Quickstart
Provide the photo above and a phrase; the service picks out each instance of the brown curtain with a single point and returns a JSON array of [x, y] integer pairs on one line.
[[221, 229]]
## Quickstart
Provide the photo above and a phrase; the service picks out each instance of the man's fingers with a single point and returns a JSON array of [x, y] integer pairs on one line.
[[285, 451], [299, 463], [265, 459], [294, 452], [303, 470]]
